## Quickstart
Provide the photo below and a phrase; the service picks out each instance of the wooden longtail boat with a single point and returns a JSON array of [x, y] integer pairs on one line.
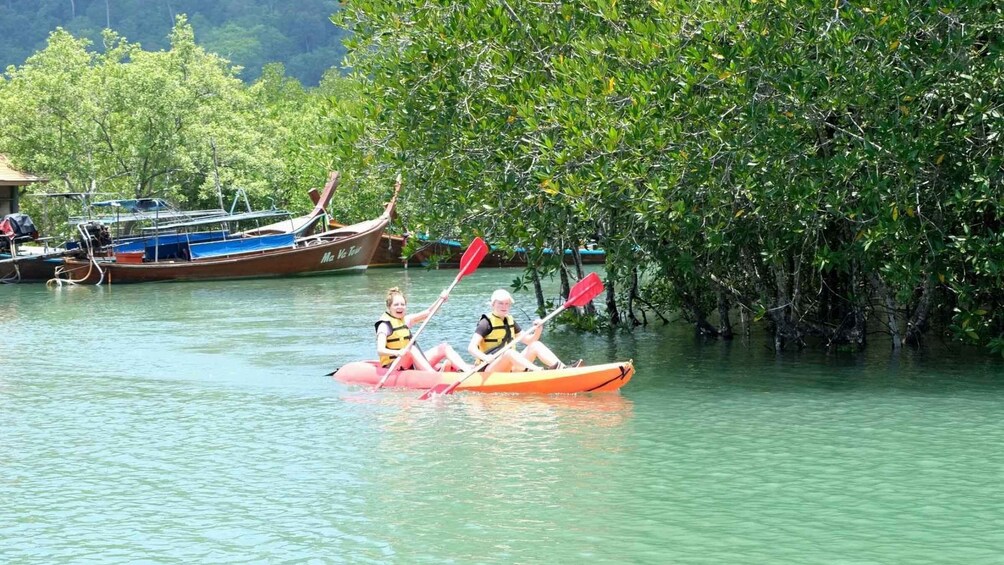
[[594, 378], [29, 266], [167, 230], [32, 263], [19, 261], [271, 253]]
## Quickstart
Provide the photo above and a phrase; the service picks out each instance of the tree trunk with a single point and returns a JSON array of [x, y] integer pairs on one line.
[[537, 290], [612, 312], [918, 323], [786, 329], [700, 318], [724, 321], [744, 321], [580, 274], [782, 296], [882, 291], [563, 276], [577, 261], [860, 333], [632, 295]]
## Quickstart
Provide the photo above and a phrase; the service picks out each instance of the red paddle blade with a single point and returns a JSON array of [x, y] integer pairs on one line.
[[585, 290], [441, 388], [476, 251]]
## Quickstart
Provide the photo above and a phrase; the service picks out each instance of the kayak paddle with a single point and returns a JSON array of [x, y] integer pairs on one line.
[[583, 291], [468, 264]]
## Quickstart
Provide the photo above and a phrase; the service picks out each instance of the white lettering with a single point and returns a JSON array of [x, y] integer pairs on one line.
[[353, 250]]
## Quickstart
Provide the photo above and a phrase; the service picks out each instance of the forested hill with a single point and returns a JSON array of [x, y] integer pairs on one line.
[[250, 33]]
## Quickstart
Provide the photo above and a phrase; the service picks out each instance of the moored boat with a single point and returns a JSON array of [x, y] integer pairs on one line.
[[29, 264], [254, 254], [21, 259], [594, 378], [446, 253]]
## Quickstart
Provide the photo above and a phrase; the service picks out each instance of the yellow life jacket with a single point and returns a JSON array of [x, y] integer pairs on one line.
[[503, 331], [400, 336]]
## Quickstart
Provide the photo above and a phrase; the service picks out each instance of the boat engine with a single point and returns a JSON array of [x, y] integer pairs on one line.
[[94, 235]]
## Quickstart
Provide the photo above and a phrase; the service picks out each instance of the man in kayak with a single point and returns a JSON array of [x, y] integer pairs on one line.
[[393, 333], [497, 328]]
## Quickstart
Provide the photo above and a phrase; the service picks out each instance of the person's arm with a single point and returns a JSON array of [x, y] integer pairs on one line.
[[412, 319], [534, 333], [474, 347], [381, 341], [416, 318]]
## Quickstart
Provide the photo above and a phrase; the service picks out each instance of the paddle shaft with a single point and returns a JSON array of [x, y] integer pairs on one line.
[[469, 263], [583, 291], [414, 338], [496, 355]]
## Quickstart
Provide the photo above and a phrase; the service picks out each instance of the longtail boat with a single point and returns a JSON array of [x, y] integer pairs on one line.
[[20, 260], [594, 378], [29, 264], [446, 253], [260, 253]]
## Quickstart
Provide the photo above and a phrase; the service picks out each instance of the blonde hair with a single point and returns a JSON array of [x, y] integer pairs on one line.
[[501, 295], [392, 292]]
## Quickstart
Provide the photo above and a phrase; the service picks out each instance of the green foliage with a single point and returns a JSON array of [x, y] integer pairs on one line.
[[810, 163], [249, 33], [582, 322], [126, 122], [134, 123]]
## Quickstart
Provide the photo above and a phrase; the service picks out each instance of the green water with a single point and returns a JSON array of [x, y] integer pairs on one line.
[[193, 423]]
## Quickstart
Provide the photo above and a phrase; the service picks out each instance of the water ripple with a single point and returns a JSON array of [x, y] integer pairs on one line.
[[196, 424]]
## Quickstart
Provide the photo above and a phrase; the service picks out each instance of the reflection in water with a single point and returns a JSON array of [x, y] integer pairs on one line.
[[487, 471], [8, 311], [566, 412], [494, 419]]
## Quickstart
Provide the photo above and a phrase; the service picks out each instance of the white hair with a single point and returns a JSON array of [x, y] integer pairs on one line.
[[501, 295]]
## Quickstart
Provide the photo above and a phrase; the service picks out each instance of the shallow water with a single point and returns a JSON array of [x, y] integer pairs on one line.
[[194, 422]]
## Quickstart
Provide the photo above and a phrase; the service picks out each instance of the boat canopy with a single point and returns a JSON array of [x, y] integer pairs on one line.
[[134, 205], [159, 211], [156, 215], [228, 247], [220, 218]]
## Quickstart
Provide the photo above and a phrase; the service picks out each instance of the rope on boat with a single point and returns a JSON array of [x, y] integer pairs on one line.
[[15, 278], [91, 265]]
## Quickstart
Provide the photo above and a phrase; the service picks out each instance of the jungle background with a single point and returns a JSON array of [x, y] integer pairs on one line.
[[828, 172]]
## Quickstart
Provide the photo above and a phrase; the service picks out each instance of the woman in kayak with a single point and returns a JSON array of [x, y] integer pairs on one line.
[[497, 328], [393, 333]]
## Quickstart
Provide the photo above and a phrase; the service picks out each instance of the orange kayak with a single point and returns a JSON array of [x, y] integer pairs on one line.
[[594, 378]]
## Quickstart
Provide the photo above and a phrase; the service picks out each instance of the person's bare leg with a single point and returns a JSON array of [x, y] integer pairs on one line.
[[418, 359], [501, 365], [521, 360], [436, 355], [444, 351], [458, 362], [538, 350]]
